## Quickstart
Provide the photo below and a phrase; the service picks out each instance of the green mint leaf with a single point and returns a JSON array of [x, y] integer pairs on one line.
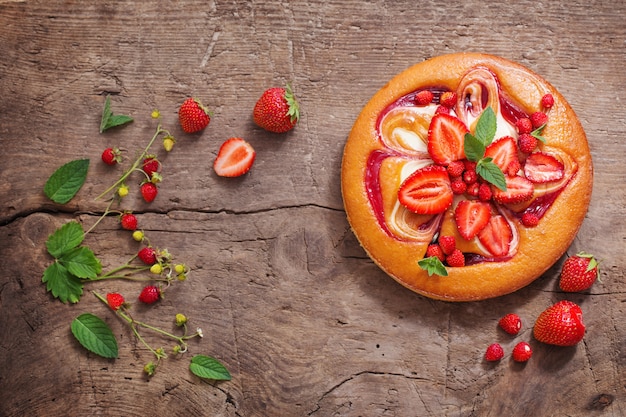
[[537, 133], [486, 126], [81, 262], [65, 182], [433, 265], [66, 237], [209, 368], [63, 285], [95, 335], [474, 148], [491, 173], [109, 119]]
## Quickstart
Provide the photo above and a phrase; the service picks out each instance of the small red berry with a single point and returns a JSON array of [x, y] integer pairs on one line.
[[538, 119], [470, 177], [513, 168], [435, 250], [147, 255], [455, 169], [149, 191], [522, 352], [424, 97], [530, 219], [510, 323], [115, 300], [448, 244], [547, 101], [150, 294], [494, 352], [448, 99], [456, 259], [469, 165], [151, 165], [524, 125], [111, 156], [526, 142], [128, 221], [458, 186], [484, 192], [473, 189], [442, 110]]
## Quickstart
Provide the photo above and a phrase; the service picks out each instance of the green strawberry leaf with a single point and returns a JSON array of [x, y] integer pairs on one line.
[[65, 238], [81, 262], [537, 133], [433, 265], [474, 148], [109, 119], [63, 285], [491, 173], [65, 182], [486, 126], [95, 335], [209, 368]]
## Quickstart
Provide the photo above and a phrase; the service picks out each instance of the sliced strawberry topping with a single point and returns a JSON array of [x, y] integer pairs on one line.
[[426, 191], [446, 135], [503, 152], [234, 158], [518, 189], [471, 217], [541, 167], [496, 236]]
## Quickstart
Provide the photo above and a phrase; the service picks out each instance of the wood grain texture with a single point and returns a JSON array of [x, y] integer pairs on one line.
[[287, 300]]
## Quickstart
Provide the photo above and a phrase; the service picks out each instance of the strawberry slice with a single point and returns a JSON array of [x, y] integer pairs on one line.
[[446, 135], [518, 189], [471, 217], [234, 158], [496, 236], [426, 191], [503, 152], [541, 167]]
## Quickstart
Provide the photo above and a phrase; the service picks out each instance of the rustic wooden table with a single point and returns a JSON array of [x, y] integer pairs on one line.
[[287, 300]]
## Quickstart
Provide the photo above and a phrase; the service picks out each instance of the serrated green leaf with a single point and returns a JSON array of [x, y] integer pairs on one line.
[[66, 237], [65, 182], [63, 285], [109, 119], [95, 335], [209, 368], [486, 126], [491, 173], [433, 265], [474, 148], [537, 133], [81, 262]]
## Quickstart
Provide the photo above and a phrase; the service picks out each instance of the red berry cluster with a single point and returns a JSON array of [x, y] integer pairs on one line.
[[511, 324]]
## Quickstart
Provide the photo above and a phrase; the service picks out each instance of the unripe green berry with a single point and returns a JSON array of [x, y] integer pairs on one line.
[[181, 319], [149, 368], [168, 143], [179, 268], [138, 235], [122, 191], [156, 269]]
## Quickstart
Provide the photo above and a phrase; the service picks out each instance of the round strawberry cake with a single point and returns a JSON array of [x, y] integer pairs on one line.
[[466, 177]]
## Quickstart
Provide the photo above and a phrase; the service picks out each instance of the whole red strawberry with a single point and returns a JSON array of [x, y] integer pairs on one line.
[[128, 221], [193, 116], [560, 324], [150, 294], [579, 272], [511, 323], [277, 110], [494, 352], [115, 300], [149, 191], [151, 165], [111, 156], [147, 255], [522, 352]]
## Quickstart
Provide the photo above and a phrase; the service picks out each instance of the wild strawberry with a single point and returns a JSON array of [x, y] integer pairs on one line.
[[447, 243], [524, 125], [527, 142], [518, 189], [442, 110], [473, 189], [560, 324], [522, 352], [234, 158], [547, 101], [484, 192], [149, 191], [458, 185], [446, 136], [115, 300], [147, 255], [471, 217], [510, 323], [541, 167], [277, 110], [128, 221], [435, 250], [513, 168], [455, 169], [530, 219], [494, 352], [193, 116], [151, 165], [496, 236], [424, 97], [426, 191], [579, 272], [456, 259], [470, 177], [503, 152], [111, 156], [150, 294], [469, 165], [538, 119], [448, 99]]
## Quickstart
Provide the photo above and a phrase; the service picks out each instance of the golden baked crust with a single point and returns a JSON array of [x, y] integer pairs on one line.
[[398, 254]]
